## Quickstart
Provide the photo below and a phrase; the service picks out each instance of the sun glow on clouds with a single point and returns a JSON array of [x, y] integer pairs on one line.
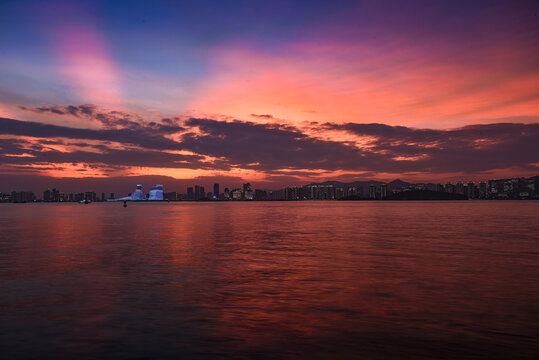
[[343, 82]]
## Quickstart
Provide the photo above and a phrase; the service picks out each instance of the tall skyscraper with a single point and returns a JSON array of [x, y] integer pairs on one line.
[[197, 192], [460, 188], [216, 191], [383, 191], [247, 192], [190, 195], [372, 191], [47, 195]]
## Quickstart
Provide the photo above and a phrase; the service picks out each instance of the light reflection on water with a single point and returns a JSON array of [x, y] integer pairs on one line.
[[270, 280]]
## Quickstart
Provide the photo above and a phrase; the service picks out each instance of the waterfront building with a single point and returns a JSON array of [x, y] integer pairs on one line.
[[339, 193], [237, 194], [460, 188], [190, 194], [216, 191], [22, 196], [247, 192], [156, 192], [172, 196], [471, 190], [261, 195], [482, 190], [372, 191], [383, 191]]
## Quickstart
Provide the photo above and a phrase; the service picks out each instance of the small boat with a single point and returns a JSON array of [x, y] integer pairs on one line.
[[85, 201]]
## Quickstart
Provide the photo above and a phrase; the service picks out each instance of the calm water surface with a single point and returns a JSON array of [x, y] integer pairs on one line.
[[270, 280]]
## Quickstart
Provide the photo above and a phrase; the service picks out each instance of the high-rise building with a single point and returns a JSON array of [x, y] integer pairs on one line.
[[372, 191], [55, 195], [237, 194], [471, 190], [202, 194], [102, 196], [47, 195], [216, 191], [111, 196], [190, 194], [460, 188], [226, 194], [482, 190], [383, 191], [247, 192]]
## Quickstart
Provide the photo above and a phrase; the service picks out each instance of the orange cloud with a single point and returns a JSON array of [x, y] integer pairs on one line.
[[355, 83]]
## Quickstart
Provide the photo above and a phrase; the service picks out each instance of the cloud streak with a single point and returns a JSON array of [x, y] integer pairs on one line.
[[267, 151]]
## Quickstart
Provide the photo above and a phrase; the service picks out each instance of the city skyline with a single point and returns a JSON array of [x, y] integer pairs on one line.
[[515, 188], [273, 94]]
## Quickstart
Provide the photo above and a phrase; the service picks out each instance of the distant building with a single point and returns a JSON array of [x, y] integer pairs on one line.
[[216, 190], [247, 192], [91, 196], [513, 188], [261, 195], [171, 196], [482, 190], [190, 194], [47, 195], [471, 190], [22, 196], [202, 193], [460, 188], [156, 193], [237, 194], [372, 191], [291, 193], [383, 191]]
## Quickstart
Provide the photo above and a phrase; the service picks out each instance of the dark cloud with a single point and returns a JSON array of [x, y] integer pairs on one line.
[[272, 148], [145, 137], [469, 148], [263, 116], [267, 146]]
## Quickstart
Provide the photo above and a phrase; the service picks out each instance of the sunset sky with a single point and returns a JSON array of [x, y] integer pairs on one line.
[[274, 93]]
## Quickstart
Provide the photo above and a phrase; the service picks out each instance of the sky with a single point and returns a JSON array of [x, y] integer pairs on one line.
[[275, 93]]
